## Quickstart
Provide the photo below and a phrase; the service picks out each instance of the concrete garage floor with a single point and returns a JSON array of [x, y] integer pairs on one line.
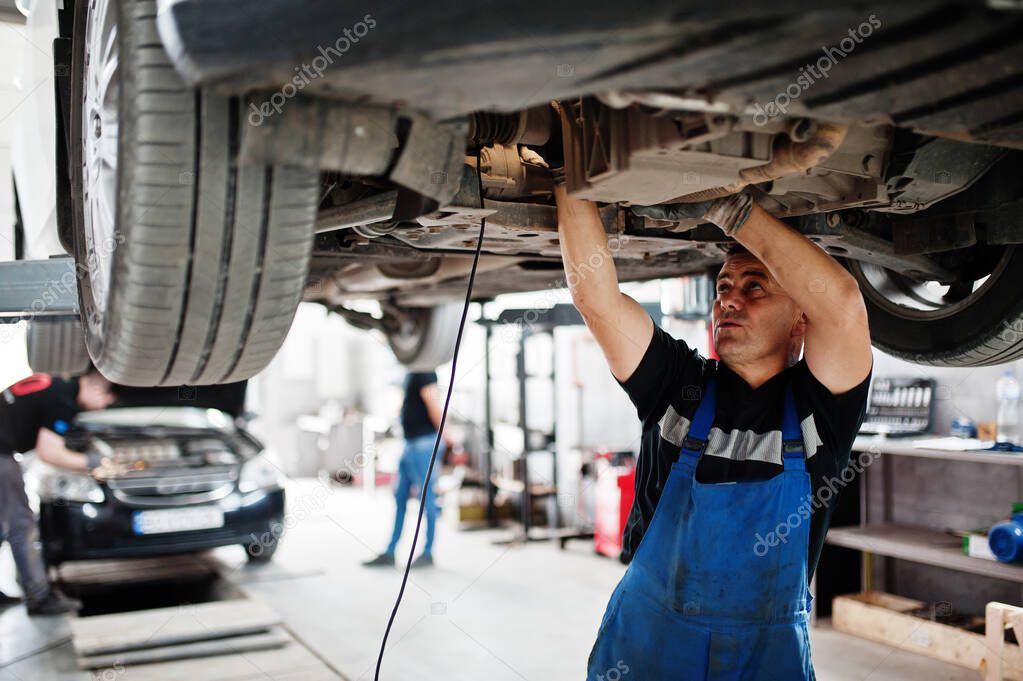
[[501, 613]]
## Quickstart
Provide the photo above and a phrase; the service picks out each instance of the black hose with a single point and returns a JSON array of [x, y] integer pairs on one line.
[[443, 417]]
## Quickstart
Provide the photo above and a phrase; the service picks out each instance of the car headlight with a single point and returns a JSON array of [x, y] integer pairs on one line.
[[50, 483], [259, 473]]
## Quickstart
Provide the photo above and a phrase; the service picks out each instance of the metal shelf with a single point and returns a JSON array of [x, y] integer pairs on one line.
[[920, 545], [887, 446]]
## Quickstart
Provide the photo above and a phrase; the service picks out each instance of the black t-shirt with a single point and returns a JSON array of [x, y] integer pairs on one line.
[[415, 420], [666, 388], [39, 401]]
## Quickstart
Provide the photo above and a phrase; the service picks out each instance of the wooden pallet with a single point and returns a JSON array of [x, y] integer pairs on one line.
[[1002, 658], [885, 618]]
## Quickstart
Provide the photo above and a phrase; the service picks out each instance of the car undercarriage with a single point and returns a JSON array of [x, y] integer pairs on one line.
[[362, 151]]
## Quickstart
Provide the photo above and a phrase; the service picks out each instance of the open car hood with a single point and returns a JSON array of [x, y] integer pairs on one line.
[[156, 418]]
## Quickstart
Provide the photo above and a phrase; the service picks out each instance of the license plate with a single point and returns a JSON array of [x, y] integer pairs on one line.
[[177, 520]]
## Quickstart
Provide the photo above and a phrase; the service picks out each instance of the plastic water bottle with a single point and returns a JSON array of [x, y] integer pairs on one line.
[[1007, 390]]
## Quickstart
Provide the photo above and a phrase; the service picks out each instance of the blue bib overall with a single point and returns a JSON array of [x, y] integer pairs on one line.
[[703, 599]]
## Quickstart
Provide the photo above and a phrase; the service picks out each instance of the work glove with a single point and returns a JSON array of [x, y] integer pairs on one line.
[[729, 213]]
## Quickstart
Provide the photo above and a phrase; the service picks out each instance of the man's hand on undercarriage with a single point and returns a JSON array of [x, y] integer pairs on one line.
[[729, 213]]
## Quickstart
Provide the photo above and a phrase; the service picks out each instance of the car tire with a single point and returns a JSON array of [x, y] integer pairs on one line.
[[191, 264], [427, 336], [57, 346], [261, 553], [983, 329]]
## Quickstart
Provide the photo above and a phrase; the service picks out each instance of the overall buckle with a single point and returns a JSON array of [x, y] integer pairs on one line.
[[694, 444], [792, 447]]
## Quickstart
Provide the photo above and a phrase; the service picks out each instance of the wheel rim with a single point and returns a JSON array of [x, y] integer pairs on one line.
[[100, 126], [410, 336], [922, 300]]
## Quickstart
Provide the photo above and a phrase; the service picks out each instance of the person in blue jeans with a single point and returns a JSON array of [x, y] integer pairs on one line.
[[420, 420]]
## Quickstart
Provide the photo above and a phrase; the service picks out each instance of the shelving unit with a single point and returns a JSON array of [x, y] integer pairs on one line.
[[920, 545], [902, 448], [539, 321], [884, 536]]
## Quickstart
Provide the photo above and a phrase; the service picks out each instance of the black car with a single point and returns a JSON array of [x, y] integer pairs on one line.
[[181, 479]]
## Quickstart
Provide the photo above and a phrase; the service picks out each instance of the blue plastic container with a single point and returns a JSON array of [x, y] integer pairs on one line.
[[1006, 540], [964, 426]]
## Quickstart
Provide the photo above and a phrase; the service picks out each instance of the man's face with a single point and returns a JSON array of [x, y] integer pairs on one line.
[[94, 392], [753, 317]]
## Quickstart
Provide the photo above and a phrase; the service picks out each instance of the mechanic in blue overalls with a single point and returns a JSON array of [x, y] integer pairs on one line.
[[718, 587]]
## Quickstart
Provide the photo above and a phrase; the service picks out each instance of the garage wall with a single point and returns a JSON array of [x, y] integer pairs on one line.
[[324, 363], [12, 41], [13, 363], [959, 391]]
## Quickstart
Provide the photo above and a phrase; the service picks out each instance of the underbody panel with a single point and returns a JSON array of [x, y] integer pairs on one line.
[[944, 69]]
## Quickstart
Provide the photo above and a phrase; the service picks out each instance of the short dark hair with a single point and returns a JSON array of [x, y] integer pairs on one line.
[[733, 249]]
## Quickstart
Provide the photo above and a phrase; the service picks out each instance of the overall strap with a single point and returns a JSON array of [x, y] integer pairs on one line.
[[696, 438], [793, 451]]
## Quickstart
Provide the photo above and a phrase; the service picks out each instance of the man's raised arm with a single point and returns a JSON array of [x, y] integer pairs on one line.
[[837, 342], [620, 325]]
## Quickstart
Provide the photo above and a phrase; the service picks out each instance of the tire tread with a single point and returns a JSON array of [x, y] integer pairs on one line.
[[200, 297]]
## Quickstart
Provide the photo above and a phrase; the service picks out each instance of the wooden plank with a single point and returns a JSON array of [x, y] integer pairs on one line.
[[890, 601], [994, 640], [166, 626], [856, 615], [999, 617], [275, 638], [920, 545]]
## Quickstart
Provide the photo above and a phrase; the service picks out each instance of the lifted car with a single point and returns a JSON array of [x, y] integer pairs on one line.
[[215, 166]]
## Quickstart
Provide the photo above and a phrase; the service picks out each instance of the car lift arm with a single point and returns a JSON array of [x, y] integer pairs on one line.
[[38, 288]]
